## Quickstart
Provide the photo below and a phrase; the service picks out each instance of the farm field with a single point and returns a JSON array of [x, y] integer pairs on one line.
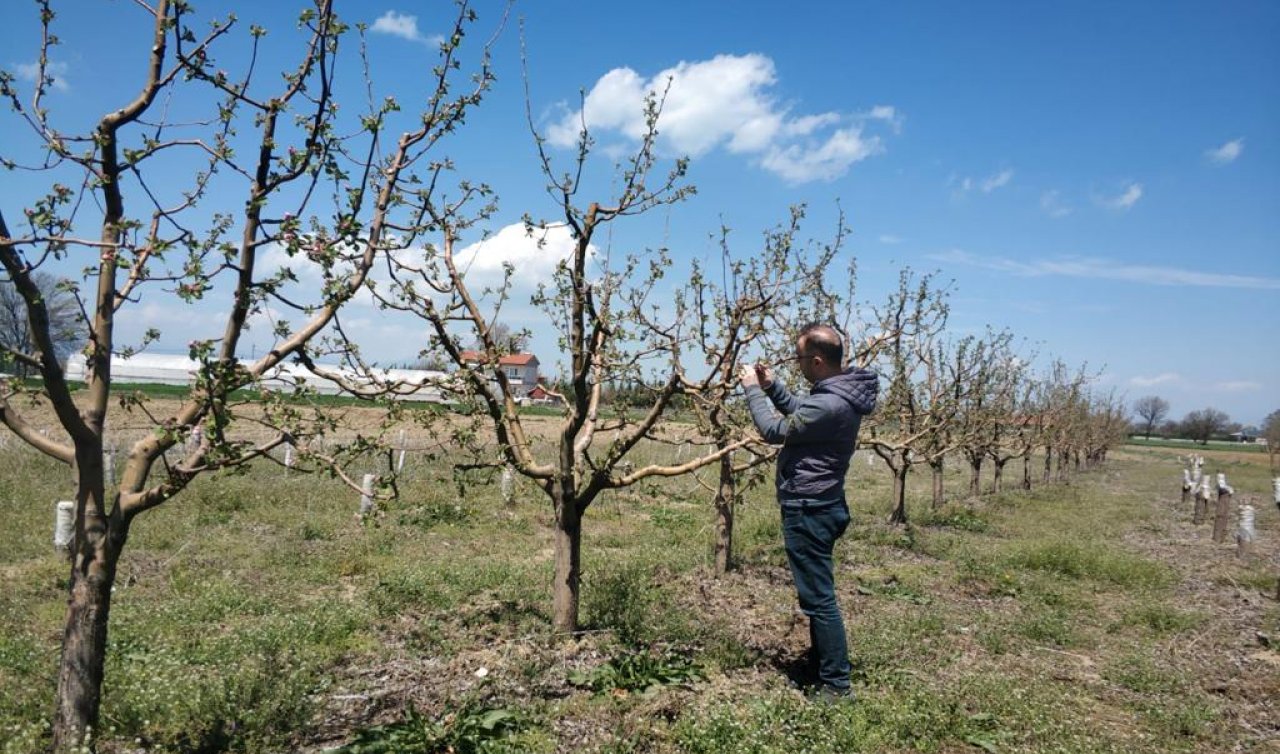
[[255, 613]]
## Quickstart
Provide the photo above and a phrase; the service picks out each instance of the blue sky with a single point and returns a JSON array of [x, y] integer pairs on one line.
[[1101, 178]]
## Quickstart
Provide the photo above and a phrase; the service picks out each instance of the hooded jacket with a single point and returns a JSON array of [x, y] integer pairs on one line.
[[818, 433]]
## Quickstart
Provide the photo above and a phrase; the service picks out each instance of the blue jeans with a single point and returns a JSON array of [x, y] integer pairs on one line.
[[809, 532]]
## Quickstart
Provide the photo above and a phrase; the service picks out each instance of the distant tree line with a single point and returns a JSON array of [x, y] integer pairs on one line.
[[1151, 419]]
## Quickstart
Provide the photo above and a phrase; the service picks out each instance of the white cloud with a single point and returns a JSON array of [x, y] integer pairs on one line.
[[889, 114], [800, 164], [986, 185], [534, 256], [404, 26], [1159, 379], [1238, 386], [1226, 153], [1108, 269], [996, 181], [1052, 204], [727, 102], [889, 239], [53, 70], [1125, 201]]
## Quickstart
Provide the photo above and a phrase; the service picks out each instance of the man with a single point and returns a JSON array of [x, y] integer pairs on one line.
[[818, 434]]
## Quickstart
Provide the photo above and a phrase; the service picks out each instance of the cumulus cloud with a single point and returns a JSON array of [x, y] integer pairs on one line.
[[404, 26], [1159, 379], [55, 71], [1107, 269], [727, 102], [1226, 153], [1125, 200], [534, 256], [1052, 204]]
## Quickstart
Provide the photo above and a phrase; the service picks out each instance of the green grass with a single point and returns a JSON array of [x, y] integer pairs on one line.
[[1196, 447], [247, 609]]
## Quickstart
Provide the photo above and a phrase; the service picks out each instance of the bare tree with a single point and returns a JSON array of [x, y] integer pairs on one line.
[[507, 339], [754, 308], [297, 178], [613, 326], [984, 408], [18, 348], [911, 413], [1271, 433], [1151, 409], [1202, 424]]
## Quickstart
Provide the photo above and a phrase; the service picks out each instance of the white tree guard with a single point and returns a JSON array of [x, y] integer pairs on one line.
[[366, 495], [109, 466], [1204, 487], [1223, 486], [508, 485], [1246, 532], [288, 456], [63, 525]]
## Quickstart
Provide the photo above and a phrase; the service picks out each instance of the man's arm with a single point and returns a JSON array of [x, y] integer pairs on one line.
[[781, 397], [797, 426]]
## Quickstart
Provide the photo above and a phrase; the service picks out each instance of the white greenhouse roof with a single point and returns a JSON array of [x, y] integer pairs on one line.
[[162, 369]]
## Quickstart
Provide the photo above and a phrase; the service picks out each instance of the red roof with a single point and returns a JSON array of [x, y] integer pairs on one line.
[[511, 359]]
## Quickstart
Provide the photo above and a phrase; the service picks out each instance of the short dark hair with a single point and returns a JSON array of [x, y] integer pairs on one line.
[[823, 340]]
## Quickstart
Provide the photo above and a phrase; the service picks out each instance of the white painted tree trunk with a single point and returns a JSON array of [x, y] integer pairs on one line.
[[64, 519], [508, 485], [1245, 533], [109, 466], [366, 495]]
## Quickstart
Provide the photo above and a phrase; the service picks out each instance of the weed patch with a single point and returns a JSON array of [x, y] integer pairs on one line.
[[641, 671], [473, 729], [1090, 561]]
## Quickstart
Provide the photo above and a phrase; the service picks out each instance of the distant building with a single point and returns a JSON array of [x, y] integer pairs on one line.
[[542, 395], [521, 369]]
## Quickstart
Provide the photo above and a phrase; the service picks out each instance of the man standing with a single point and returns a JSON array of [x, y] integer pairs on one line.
[[818, 434]]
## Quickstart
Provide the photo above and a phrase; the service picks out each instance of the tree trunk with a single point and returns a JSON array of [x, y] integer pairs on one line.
[[899, 516], [939, 496], [997, 474], [97, 545], [1222, 517], [1048, 464], [725, 498], [568, 567], [975, 476], [1026, 472]]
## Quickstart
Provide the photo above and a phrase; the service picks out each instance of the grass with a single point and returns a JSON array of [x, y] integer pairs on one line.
[[1197, 447], [254, 613]]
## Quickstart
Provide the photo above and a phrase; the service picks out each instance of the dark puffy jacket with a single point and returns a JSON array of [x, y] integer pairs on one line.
[[817, 433]]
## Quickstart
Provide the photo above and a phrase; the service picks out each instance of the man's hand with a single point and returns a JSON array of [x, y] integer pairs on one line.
[[764, 375], [748, 376]]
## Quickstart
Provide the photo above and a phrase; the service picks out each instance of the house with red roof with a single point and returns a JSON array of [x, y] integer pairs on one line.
[[521, 369]]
